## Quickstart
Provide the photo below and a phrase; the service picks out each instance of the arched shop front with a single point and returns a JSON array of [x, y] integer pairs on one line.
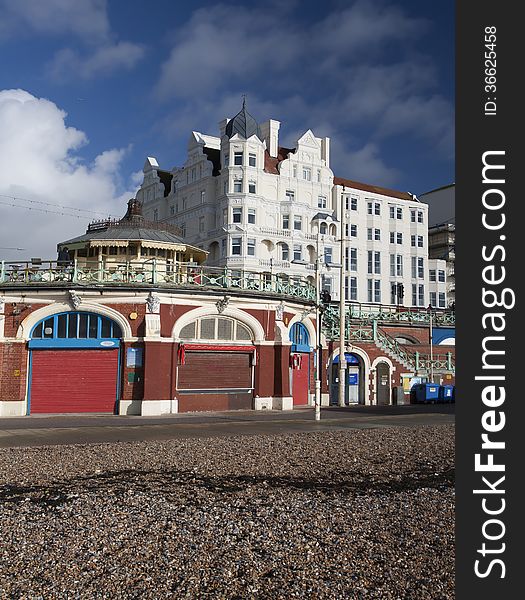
[[216, 360], [354, 380], [74, 364]]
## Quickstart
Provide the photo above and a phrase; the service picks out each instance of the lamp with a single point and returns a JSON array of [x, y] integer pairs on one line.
[[431, 345]]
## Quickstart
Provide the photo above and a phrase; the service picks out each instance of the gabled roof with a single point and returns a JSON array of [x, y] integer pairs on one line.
[[366, 187]]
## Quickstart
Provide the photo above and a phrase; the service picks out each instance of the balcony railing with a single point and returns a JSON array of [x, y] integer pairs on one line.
[[151, 272], [386, 314]]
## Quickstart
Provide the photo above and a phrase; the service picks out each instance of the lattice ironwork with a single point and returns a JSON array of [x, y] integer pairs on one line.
[[150, 272]]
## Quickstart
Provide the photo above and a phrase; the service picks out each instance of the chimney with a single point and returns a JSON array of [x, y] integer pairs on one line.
[[270, 134], [325, 150], [222, 126]]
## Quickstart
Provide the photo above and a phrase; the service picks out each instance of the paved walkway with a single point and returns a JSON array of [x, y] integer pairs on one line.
[[43, 430]]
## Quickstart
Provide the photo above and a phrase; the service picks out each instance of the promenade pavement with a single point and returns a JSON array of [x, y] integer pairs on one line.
[[43, 430]]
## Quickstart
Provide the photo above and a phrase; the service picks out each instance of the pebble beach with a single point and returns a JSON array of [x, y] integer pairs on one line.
[[335, 514]]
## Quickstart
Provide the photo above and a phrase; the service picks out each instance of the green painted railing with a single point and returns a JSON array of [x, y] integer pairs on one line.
[[150, 272], [368, 331], [367, 313]]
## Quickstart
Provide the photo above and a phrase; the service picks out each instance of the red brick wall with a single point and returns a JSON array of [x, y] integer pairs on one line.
[[207, 402], [13, 374], [138, 324], [265, 371], [418, 333], [12, 321], [159, 359], [169, 314], [281, 371], [267, 320], [132, 390]]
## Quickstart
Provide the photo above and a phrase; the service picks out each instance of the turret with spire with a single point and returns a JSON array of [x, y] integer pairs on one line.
[[243, 124]]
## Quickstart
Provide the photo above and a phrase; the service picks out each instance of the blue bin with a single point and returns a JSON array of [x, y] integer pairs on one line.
[[426, 392], [447, 393]]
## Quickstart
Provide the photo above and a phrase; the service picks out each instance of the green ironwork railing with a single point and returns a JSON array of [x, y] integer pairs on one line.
[[367, 330], [150, 272], [387, 314]]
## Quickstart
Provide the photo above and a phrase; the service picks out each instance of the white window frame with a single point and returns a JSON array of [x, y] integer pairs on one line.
[[237, 244], [237, 214]]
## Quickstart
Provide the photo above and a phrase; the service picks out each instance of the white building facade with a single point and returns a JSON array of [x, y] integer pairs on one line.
[[255, 205]]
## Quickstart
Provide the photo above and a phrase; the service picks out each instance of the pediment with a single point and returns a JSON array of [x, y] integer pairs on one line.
[[309, 139]]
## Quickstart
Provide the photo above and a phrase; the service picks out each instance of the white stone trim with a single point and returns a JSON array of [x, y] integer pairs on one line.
[[129, 407], [282, 403], [367, 368], [307, 322], [263, 403], [382, 359], [211, 311], [151, 408], [17, 408], [31, 320]]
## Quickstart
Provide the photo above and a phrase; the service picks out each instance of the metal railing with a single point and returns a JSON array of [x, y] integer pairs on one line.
[[388, 314], [367, 330], [151, 272]]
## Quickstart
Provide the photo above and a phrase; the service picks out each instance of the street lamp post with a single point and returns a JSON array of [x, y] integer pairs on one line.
[[318, 346], [431, 346], [342, 324]]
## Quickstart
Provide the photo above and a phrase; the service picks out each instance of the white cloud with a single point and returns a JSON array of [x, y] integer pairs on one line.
[[221, 44], [41, 163], [69, 64], [364, 25], [335, 76], [364, 164], [85, 18]]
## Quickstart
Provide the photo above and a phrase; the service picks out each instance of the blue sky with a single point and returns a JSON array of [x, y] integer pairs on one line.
[[89, 88]]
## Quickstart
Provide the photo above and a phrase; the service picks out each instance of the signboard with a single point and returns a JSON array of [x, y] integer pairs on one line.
[[134, 357]]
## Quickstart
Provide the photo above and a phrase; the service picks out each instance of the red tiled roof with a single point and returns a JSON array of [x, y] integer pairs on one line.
[[270, 163], [372, 188]]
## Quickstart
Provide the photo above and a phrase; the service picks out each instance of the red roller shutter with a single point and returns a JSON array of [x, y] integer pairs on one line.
[[73, 381], [215, 381], [215, 370]]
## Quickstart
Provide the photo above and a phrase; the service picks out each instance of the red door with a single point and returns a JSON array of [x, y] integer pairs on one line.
[[300, 380], [73, 381]]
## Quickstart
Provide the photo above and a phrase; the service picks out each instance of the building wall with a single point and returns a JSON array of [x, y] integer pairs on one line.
[[151, 387], [298, 184]]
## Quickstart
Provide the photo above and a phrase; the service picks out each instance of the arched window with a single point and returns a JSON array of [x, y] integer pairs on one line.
[[323, 228], [405, 340], [76, 330], [76, 325], [300, 338], [216, 329]]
